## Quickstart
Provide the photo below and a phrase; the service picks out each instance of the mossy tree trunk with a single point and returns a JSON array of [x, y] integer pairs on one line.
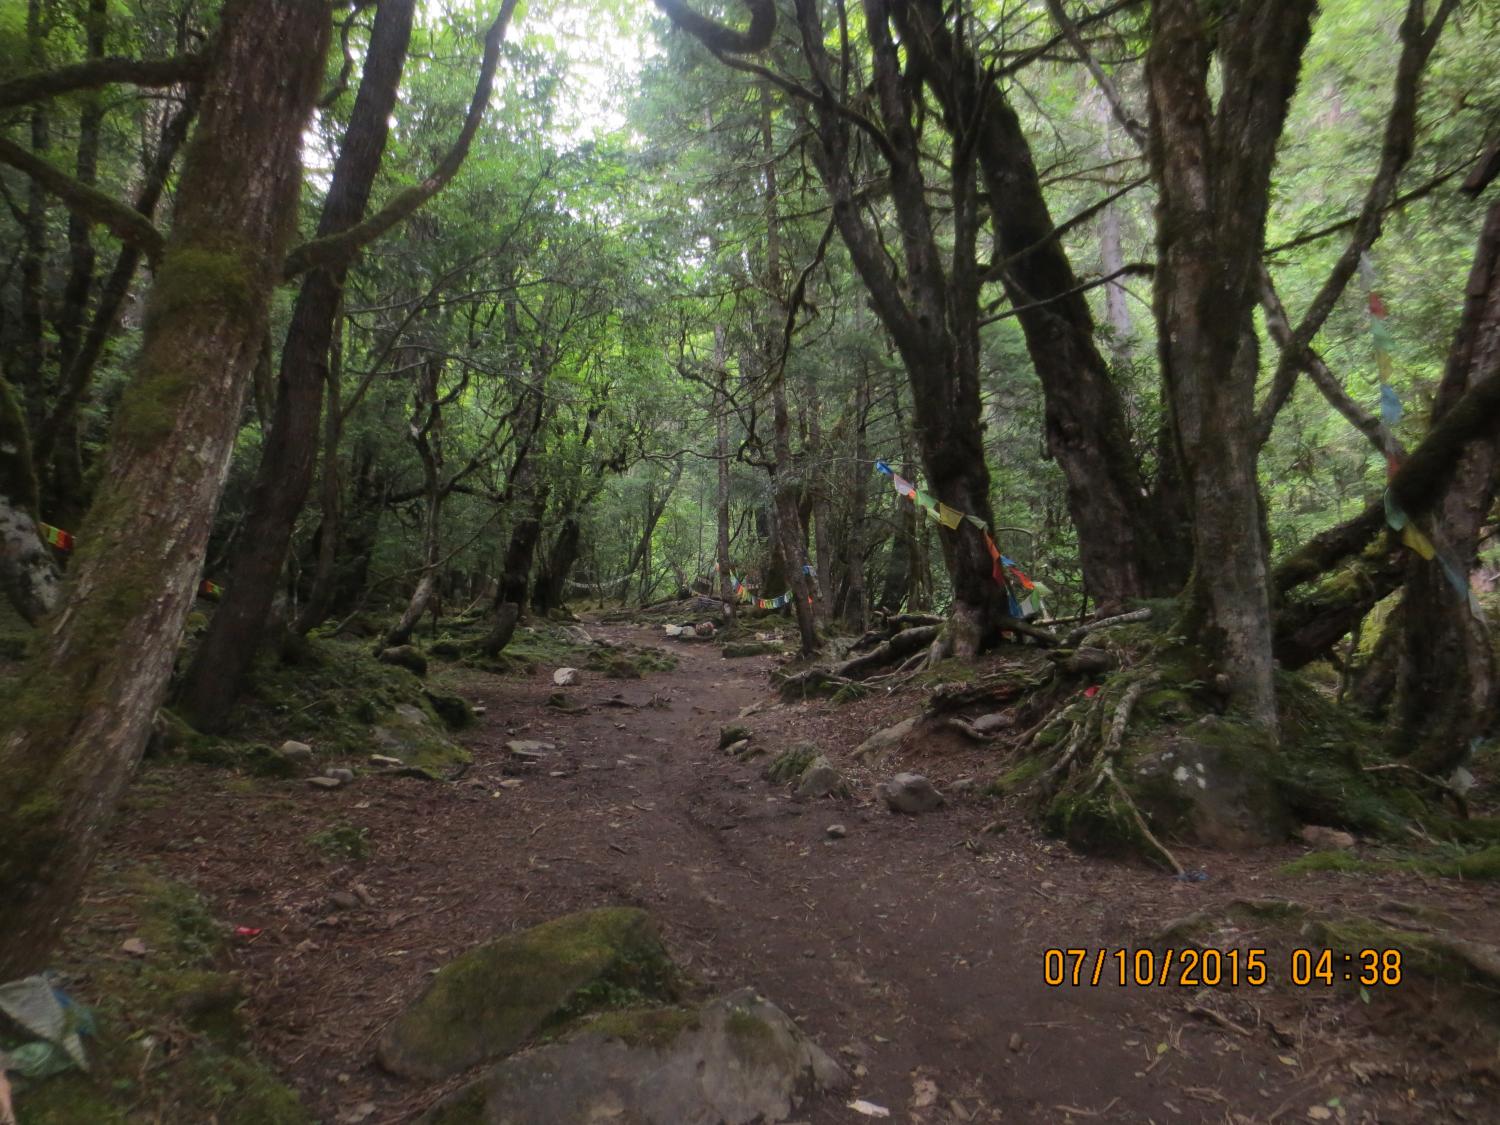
[[81, 714], [1212, 160], [1445, 685], [286, 466]]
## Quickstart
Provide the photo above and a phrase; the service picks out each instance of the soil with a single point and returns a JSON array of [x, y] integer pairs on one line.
[[912, 948]]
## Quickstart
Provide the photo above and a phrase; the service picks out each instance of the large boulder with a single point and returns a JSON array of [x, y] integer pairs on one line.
[[410, 734], [1212, 784], [491, 1000], [736, 1060], [821, 779]]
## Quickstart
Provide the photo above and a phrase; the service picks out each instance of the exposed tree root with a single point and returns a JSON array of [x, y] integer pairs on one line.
[[1088, 627]]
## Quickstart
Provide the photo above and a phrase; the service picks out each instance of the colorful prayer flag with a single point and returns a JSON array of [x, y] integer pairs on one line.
[[1417, 541], [949, 517], [56, 536], [882, 467]]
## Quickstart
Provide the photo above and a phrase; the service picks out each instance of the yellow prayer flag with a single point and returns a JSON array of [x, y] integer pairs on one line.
[[1418, 542], [948, 517]]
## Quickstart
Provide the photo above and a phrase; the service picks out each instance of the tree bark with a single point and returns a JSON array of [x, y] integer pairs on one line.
[[1212, 164], [1445, 680], [288, 455], [80, 716]]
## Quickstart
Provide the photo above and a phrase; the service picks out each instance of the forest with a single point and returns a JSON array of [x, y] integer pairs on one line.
[[533, 535]]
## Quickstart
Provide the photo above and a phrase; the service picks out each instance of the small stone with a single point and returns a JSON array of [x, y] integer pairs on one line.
[[362, 893], [989, 724], [324, 782], [342, 776], [295, 751], [735, 748], [133, 946], [910, 793], [385, 760], [343, 900], [480, 710], [672, 630], [511, 783], [884, 741], [1325, 839], [1014, 1042], [528, 749], [962, 785], [567, 677], [704, 629], [836, 831]]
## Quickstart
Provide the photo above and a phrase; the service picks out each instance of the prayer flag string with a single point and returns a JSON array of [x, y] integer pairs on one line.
[[1391, 412]]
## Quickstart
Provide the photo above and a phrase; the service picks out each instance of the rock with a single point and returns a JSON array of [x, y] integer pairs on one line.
[[494, 998], [342, 776], [384, 760], [405, 656], [529, 750], [910, 793], [324, 782], [821, 779], [343, 900], [1211, 785], [836, 831], [567, 677], [963, 785], [134, 946], [577, 634], [446, 650], [299, 752], [410, 733], [792, 763], [735, 749], [704, 629], [478, 711], [989, 724], [673, 630], [884, 741], [728, 736], [736, 1060], [1325, 839]]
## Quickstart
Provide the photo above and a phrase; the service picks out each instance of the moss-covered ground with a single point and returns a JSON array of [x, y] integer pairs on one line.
[[170, 1043]]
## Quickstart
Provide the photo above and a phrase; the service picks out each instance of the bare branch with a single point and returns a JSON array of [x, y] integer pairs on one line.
[[89, 204], [101, 72]]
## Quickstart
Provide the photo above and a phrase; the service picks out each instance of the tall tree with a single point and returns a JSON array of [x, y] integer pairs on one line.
[[1212, 160], [79, 718]]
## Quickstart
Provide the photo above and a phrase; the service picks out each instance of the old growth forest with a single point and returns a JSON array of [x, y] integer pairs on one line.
[[728, 561]]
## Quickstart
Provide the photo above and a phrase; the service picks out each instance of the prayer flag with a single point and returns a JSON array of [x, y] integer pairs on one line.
[[1377, 306], [904, 487], [59, 538], [882, 467], [1394, 516], [1417, 541], [1390, 405], [949, 517]]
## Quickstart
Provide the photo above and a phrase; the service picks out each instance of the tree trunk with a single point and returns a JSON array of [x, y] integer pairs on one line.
[[727, 591], [330, 500], [290, 449], [1213, 166], [856, 597], [1445, 685], [80, 717], [426, 429]]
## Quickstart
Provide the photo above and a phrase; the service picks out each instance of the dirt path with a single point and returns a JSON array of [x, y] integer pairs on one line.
[[912, 948]]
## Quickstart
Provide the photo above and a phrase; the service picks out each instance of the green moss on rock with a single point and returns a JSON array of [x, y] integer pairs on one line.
[[494, 998]]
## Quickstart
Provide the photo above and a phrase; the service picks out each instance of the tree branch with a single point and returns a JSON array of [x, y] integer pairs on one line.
[[101, 72], [720, 37], [335, 249], [89, 204]]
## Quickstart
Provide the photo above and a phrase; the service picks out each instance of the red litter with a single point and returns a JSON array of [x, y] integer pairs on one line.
[[247, 931]]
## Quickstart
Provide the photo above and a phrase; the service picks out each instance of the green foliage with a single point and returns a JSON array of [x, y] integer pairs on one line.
[[342, 841]]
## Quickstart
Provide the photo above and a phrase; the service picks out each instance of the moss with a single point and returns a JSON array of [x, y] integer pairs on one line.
[[737, 649], [1020, 775], [731, 734], [177, 995], [454, 710], [644, 1027], [1483, 864], [342, 841], [1330, 861], [756, 1042], [791, 763], [492, 999]]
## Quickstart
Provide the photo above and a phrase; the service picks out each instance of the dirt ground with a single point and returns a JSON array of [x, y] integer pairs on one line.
[[912, 948]]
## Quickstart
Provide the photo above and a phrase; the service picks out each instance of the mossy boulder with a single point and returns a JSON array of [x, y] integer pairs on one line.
[[409, 733], [405, 656], [454, 710], [494, 998], [738, 1059], [1212, 783], [792, 763]]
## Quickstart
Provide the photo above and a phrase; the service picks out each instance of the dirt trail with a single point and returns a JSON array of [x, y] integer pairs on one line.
[[912, 948]]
